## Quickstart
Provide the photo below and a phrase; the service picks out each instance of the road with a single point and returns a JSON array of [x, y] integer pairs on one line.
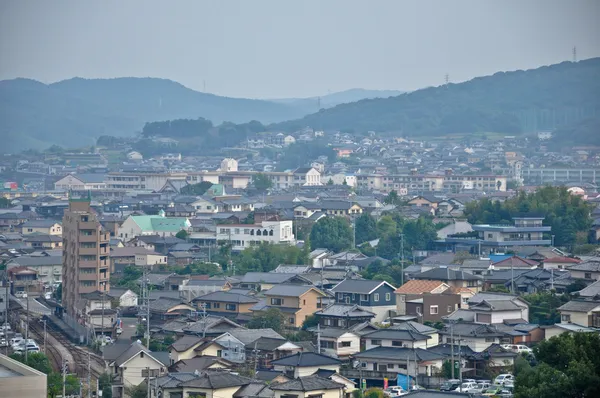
[[129, 326]]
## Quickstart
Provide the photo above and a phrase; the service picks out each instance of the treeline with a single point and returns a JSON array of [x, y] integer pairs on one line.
[[510, 103], [568, 215]]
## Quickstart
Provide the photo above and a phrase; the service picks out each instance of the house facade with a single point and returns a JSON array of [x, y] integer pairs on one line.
[[375, 296]]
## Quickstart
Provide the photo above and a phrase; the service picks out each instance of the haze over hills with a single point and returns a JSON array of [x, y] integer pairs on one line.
[[506, 102], [76, 111], [334, 99]]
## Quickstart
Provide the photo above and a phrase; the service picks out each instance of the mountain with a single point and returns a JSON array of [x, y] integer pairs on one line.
[[75, 112], [312, 104], [507, 102]]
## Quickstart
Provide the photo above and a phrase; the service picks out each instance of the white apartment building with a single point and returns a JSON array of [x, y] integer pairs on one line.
[[140, 181], [248, 235]]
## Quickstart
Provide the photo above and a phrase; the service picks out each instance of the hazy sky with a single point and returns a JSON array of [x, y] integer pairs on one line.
[[285, 48]]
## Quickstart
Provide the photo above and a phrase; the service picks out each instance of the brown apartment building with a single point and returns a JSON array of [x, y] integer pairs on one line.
[[86, 266]]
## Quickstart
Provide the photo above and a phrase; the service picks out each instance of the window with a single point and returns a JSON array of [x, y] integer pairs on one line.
[[230, 307], [588, 275], [327, 322], [217, 305], [388, 296], [472, 283], [489, 339], [433, 309], [565, 318], [196, 395], [376, 342], [490, 236], [345, 344], [303, 302], [364, 297], [276, 301], [376, 297], [291, 320], [449, 309], [397, 343], [347, 299]]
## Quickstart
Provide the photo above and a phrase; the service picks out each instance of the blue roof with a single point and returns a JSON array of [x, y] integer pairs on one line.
[[499, 257]]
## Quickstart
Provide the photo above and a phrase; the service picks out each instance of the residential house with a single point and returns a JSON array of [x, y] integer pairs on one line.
[[165, 308], [305, 364], [159, 224], [589, 270], [192, 288], [453, 278], [124, 297], [297, 302], [46, 227], [424, 201], [476, 336], [95, 311], [341, 208], [260, 281], [338, 343], [43, 241], [184, 348], [416, 287], [48, 268], [226, 304], [418, 328], [309, 387], [235, 342], [374, 296], [429, 307], [492, 308], [242, 236], [387, 362], [560, 262], [208, 384], [581, 312], [343, 315], [514, 262], [201, 364], [397, 338], [8, 221], [81, 182]]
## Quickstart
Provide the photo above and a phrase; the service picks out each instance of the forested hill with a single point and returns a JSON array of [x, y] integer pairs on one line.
[[77, 111], [508, 102]]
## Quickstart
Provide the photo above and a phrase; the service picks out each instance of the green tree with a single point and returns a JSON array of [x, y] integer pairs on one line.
[[140, 391], [5, 203], [36, 360], [198, 189], [332, 233], [199, 269], [262, 182], [105, 385], [543, 307], [366, 228], [183, 234], [55, 384], [272, 318], [266, 257], [392, 198], [386, 226], [330, 182], [310, 321]]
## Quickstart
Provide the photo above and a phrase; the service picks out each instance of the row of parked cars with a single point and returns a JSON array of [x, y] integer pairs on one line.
[[16, 341], [502, 386]]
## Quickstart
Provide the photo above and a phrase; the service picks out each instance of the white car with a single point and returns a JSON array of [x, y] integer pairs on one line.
[[393, 392], [15, 341], [522, 348], [105, 339], [504, 379], [21, 294], [468, 387]]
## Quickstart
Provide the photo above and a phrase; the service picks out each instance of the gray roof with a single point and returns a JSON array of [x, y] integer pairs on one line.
[[303, 359], [254, 389], [496, 305], [216, 380], [39, 223], [413, 326], [334, 332], [248, 336], [266, 277], [589, 265], [439, 258], [395, 334], [90, 178], [28, 261], [307, 383], [132, 351], [289, 290], [197, 363], [446, 274], [591, 291], [579, 306], [396, 353], [185, 343], [472, 329], [226, 297], [291, 269], [163, 304], [359, 286], [345, 310]]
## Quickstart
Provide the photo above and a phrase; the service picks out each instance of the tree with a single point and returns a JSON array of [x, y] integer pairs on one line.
[[266, 257], [198, 189], [366, 228], [262, 182], [209, 269], [310, 321], [330, 182], [272, 318], [543, 307], [140, 391], [105, 385], [386, 226], [183, 234], [332, 233], [5, 203], [392, 198], [569, 366]]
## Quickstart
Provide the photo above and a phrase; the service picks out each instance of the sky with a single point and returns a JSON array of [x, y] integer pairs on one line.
[[285, 48]]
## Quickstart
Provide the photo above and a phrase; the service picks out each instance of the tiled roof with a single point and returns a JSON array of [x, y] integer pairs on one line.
[[307, 383], [418, 286], [357, 286], [562, 259], [579, 306], [306, 359]]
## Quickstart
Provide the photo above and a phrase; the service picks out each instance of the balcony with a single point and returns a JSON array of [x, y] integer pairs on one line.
[[88, 264], [87, 277], [88, 251], [88, 238]]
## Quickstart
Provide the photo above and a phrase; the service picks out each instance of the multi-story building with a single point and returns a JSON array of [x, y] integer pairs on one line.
[[550, 174], [528, 230], [86, 267], [242, 236], [140, 181]]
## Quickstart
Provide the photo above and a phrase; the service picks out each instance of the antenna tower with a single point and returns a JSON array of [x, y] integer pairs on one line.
[[447, 78], [574, 54]]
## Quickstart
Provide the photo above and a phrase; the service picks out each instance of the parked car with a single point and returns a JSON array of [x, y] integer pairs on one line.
[[21, 294], [15, 341], [3, 343], [522, 348], [450, 385], [468, 387], [29, 346], [506, 378], [33, 349], [105, 339], [395, 391], [481, 387], [492, 391]]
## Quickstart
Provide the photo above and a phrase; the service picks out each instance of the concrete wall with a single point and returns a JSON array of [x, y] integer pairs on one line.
[[27, 382]]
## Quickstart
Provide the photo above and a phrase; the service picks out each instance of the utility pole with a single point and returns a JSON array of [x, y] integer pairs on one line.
[[64, 375], [148, 381], [459, 363], [402, 259], [26, 325], [452, 349], [45, 335], [102, 325], [89, 377], [318, 338], [203, 306]]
